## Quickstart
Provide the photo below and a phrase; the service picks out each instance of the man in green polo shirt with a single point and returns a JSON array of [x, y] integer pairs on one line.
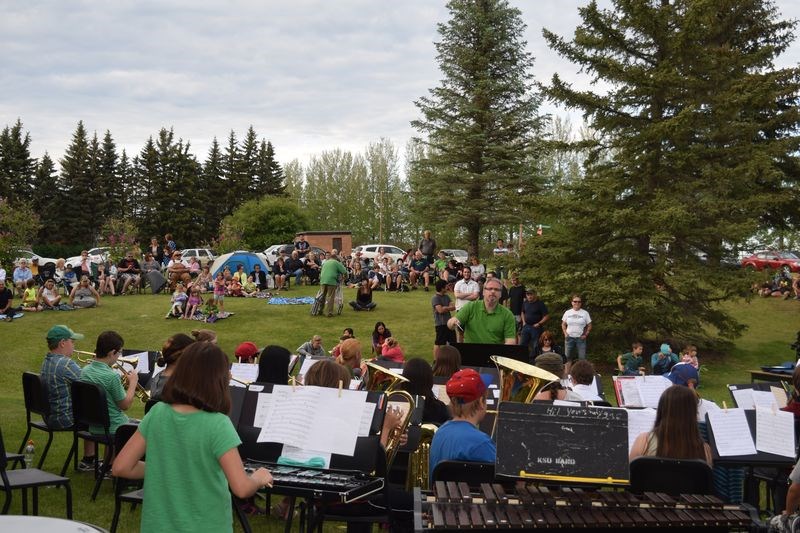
[[329, 279], [486, 321]]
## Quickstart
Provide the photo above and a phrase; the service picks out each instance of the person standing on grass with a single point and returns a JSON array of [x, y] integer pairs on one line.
[[329, 278], [576, 325], [57, 374], [486, 321], [442, 307]]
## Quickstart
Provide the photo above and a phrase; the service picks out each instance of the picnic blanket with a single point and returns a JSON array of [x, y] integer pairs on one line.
[[16, 315], [283, 300]]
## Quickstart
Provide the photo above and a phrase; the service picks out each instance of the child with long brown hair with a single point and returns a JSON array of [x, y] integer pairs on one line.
[[192, 423], [675, 434]]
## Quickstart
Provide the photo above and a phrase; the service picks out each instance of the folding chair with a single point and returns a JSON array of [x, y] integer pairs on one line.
[[37, 403], [89, 408], [672, 476], [29, 478], [122, 486]]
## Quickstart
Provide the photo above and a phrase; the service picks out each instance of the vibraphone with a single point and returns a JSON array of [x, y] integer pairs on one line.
[[342, 486], [454, 506]]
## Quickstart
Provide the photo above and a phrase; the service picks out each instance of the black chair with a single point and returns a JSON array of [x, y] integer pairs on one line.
[[672, 476], [17, 459], [29, 478], [471, 472], [89, 408], [37, 403], [123, 486]]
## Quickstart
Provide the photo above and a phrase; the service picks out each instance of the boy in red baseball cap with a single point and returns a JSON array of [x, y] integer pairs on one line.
[[460, 439]]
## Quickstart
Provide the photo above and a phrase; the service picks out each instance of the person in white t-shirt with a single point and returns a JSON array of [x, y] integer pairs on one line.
[[576, 325], [466, 290]]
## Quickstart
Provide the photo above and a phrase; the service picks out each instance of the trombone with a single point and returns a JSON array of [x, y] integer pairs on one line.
[[141, 393]]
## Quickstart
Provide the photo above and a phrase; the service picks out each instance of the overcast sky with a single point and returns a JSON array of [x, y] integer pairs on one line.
[[308, 75]]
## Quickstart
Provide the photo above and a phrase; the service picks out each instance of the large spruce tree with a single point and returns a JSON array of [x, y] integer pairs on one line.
[[481, 122], [16, 164], [696, 149]]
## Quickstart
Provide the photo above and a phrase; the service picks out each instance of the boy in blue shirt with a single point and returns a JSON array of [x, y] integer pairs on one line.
[[460, 439]]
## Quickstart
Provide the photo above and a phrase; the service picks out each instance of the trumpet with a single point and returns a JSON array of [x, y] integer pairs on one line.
[[141, 393]]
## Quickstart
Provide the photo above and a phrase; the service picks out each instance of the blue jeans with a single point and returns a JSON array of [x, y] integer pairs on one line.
[[529, 337], [298, 276], [572, 344]]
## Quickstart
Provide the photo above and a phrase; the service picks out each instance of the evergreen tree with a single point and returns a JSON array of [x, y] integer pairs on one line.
[[16, 164], [212, 190], [144, 197], [252, 180], [696, 146], [236, 181], [72, 182], [269, 170], [45, 201], [481, 122], [110, 181], [127, 187]]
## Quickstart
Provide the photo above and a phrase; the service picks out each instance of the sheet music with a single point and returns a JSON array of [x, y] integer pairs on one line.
[[630, 393], [143, 365], [263, 407], [743, 398], [440, 391], [365, 423], [565, 402], [731, 432], [775, 432], [307, 364], [256, 388], [780, 396], [651, 388], [314, 417], [704, 407], [293, 361], [303, 456], [157, 370], [247, 372], [639, 421], [764, 399]]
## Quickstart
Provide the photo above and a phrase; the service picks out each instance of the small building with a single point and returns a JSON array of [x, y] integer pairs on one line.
[[328, 240]]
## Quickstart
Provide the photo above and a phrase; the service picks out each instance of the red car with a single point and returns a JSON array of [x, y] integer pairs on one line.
[[772, 259]]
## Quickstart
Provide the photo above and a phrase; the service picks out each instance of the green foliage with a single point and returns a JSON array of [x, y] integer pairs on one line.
[[18, 226], [16, 164], [695, 145], [120, 236], [480, 125], [257, 224]]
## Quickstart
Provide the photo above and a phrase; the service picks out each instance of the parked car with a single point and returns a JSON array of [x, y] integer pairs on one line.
[[29, 255], [96, 255], [370, 251], [772, 259], [461, 256], [203, 255], [274, 251]]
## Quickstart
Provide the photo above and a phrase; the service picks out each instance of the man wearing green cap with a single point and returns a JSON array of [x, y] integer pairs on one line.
[[57, 374]]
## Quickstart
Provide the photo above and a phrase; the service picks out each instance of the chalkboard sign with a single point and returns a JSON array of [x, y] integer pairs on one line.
[[562, 443]]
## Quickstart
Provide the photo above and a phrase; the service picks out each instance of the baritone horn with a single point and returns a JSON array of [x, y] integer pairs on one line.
[[519, 382], [380, 376]]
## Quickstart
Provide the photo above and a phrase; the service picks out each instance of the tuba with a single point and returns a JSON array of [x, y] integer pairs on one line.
[[519, 382], [384, 380], [419, 460]]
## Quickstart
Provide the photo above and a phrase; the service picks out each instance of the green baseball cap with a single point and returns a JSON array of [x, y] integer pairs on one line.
[[60, 333]]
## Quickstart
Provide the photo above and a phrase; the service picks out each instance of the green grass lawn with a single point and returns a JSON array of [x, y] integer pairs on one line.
[[773, 324]]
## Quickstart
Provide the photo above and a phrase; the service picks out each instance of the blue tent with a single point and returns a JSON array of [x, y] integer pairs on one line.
[[234, 259]]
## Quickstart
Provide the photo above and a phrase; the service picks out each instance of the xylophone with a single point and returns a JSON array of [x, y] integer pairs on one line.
[[342, 486], [454, 506]]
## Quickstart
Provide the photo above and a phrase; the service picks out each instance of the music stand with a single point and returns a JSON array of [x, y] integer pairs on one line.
[[475, 354]]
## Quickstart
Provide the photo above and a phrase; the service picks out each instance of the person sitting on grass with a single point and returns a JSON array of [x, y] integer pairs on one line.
[[30, 297], [363, 301], [630, 363], [347, 333], [312, 348], [178, 302], [49, 298], [249, 288], [663, 360], [392, 351]]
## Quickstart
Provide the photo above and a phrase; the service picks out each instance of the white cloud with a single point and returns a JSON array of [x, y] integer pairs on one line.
[[309, 75]]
